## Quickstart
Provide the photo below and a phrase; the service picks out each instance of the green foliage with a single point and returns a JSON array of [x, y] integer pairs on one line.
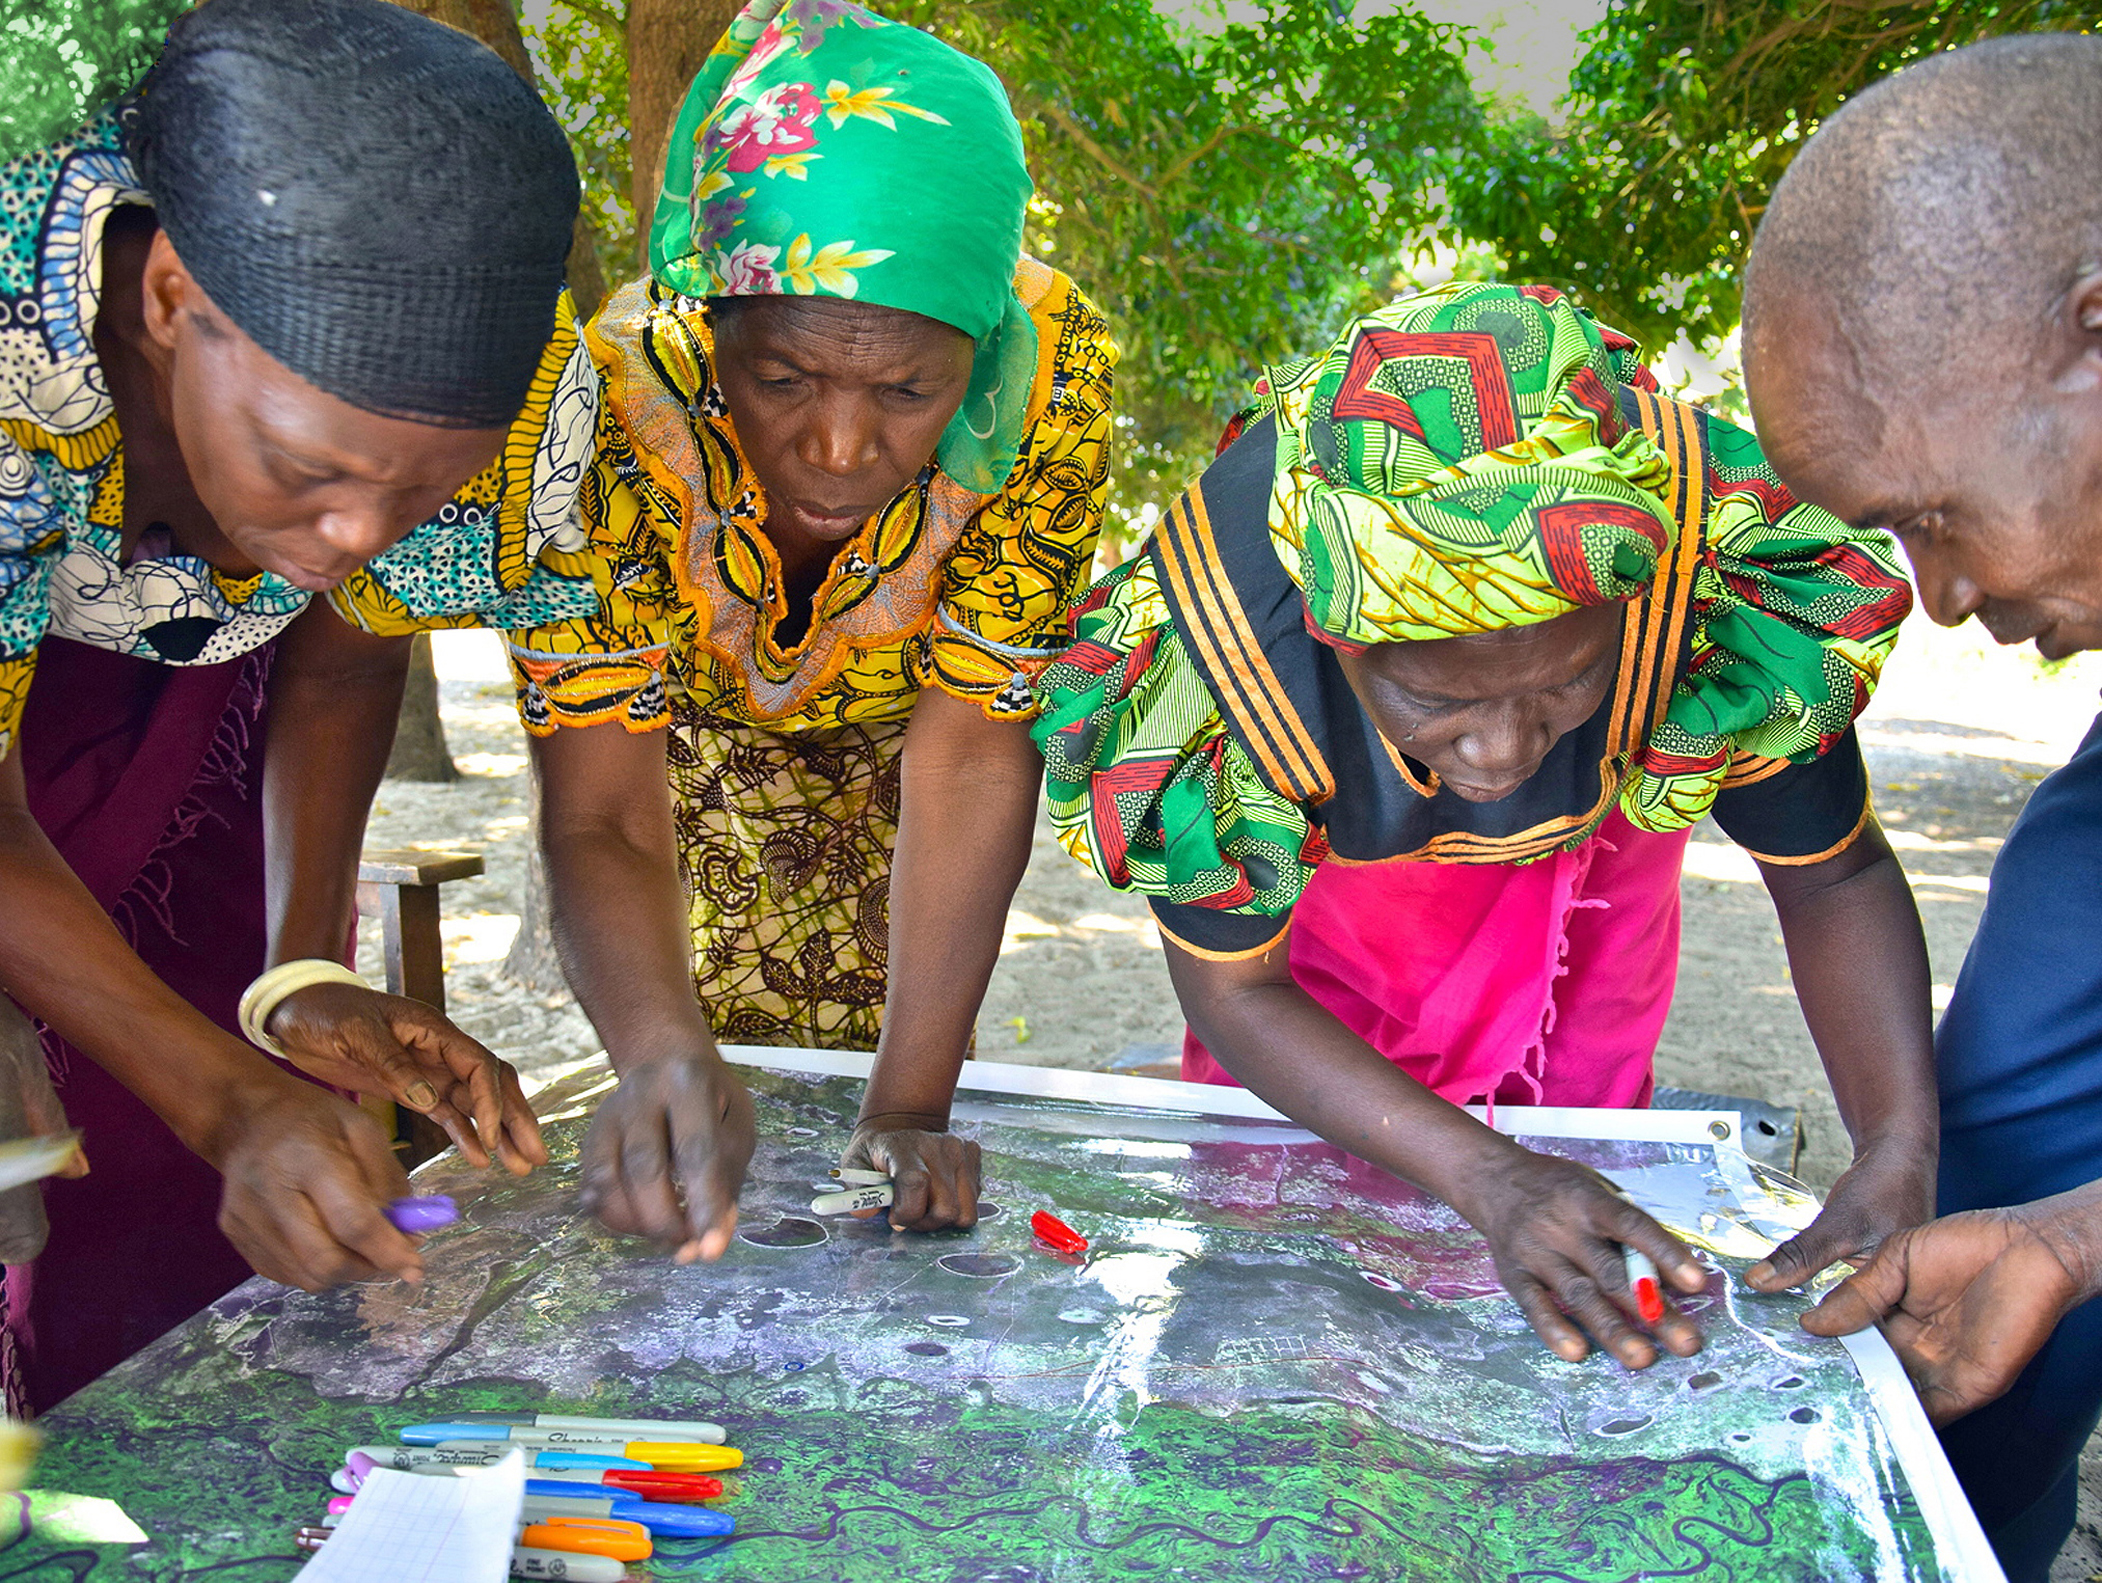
[[1682, 116], [1228, 198], [62, 60], [580, 59]]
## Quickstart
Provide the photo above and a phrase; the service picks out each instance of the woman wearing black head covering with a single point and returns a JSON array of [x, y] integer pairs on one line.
[[284, 377]]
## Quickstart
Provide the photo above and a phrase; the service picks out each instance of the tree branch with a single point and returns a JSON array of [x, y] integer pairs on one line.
[[1095, 151], [614, 21]]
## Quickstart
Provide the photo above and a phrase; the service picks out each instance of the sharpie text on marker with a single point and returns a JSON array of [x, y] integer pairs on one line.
[[848, 1200], [633, 1428]]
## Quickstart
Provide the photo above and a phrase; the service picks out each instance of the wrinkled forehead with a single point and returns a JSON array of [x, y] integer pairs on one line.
[[1484, 666], [864, 332]]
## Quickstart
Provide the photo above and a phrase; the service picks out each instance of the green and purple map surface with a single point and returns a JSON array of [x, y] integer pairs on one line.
[[1272, 1363]]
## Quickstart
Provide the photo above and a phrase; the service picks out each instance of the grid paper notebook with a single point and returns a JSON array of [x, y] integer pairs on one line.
[[415, 1528]]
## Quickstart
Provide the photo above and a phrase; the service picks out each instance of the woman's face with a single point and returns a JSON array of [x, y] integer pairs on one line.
[[297, 482], [1483, 711], [838, 405]]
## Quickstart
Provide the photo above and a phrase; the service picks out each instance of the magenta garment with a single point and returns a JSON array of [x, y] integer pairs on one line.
[[147, 778], [1527, 984]]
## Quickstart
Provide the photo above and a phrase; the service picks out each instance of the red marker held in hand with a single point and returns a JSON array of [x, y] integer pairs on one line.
[[1055, 1234], [1642, 1281]]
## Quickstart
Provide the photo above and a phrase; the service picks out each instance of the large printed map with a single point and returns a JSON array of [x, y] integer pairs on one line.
[[1273, 1363]]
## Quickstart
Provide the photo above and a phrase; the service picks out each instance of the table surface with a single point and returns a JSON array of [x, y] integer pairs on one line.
[[1274, 1362]]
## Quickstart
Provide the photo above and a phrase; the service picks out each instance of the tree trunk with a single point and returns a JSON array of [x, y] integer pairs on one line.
[[420, 753], [667, 42]]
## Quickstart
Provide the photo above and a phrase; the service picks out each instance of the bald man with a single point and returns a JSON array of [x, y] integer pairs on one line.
[[1923, 343]]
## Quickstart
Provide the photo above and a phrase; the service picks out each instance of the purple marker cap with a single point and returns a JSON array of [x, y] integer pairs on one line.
[[418, 1215]]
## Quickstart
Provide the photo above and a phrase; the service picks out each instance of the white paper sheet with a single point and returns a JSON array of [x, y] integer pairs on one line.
[[404, 1528]]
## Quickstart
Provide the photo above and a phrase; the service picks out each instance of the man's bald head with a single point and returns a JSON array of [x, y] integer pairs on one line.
[[1923, 330], [1944, 214]]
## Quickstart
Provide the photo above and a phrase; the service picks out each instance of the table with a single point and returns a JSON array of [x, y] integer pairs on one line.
[[1273, 1363]]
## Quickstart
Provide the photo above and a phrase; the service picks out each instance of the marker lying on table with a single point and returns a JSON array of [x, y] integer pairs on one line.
[[1055, 1233], [415, 1216], [847, 1201], [526, 1562], [593, 1533], [663, 1521], [681, 1455], [1642, 1281], [674, 1456], [645, 1483], [637, 1428], [484, 1454]]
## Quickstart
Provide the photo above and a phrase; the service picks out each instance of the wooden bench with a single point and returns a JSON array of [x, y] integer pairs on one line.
[[401, 890]]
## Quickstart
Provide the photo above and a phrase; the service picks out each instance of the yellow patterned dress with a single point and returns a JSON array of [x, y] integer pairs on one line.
[[785, 757]]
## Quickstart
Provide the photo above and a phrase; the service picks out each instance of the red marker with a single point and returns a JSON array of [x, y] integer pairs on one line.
[[1642, 1280], [1056, 1234]]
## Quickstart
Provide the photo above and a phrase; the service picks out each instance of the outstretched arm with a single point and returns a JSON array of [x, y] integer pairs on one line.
[[667, 1151], [306, 1174], [335, 694], [1859, 962], [1557, 1229], [969, 805], [1969, 1300]]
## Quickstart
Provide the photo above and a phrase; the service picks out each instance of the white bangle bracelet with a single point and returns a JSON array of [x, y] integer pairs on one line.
[[274, 984]]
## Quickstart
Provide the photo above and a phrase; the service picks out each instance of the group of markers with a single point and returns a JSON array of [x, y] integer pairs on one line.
[[599, 1491]]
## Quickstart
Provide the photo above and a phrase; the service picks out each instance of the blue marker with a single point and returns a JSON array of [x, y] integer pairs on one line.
[[548, 1499]]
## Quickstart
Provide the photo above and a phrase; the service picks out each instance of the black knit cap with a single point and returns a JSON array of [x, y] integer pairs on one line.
[[378, 201]]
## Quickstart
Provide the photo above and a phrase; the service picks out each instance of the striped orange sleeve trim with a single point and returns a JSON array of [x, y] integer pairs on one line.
[[1203, 955], [1283, 748], [1832, 851], [1749, 769]]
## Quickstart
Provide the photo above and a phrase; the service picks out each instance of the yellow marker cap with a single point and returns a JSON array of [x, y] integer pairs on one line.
[[679, 1456]]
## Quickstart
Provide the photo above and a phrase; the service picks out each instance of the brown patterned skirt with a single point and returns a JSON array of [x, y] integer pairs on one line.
[[785, 842]]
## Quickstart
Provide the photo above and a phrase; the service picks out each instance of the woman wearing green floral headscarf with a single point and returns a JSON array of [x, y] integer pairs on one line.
[[850, 475], [1401, 722]]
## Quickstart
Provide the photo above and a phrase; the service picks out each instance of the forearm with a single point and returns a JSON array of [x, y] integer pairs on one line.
[[1859, 961], [335, 696], [1295, 1054], [63, 959], [619, 909], [2071, 1223], [968, 807]]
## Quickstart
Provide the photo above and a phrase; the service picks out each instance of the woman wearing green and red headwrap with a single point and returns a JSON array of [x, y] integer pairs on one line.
[[851, 471], [1401, 721]]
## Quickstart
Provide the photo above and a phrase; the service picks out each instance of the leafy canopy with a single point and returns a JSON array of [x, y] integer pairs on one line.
[[1681, 118], [62, 60], [1228, 197]]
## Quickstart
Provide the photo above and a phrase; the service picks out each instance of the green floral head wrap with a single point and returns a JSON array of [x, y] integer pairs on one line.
[[1458, 463], [826, 151]]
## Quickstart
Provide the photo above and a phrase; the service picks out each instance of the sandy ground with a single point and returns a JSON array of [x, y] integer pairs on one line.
[[1957, 738]]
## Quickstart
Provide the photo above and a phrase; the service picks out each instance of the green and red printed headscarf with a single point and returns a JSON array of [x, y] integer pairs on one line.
[[827, 151], [1457, 463]]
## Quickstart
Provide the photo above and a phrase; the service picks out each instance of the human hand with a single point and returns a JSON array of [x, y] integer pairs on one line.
[[29, 1108], [1559, 1232], [307, 1176], [359, 1039], [1888, 1188], [934, 1175], [667, 1151], [1966, 1301]]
